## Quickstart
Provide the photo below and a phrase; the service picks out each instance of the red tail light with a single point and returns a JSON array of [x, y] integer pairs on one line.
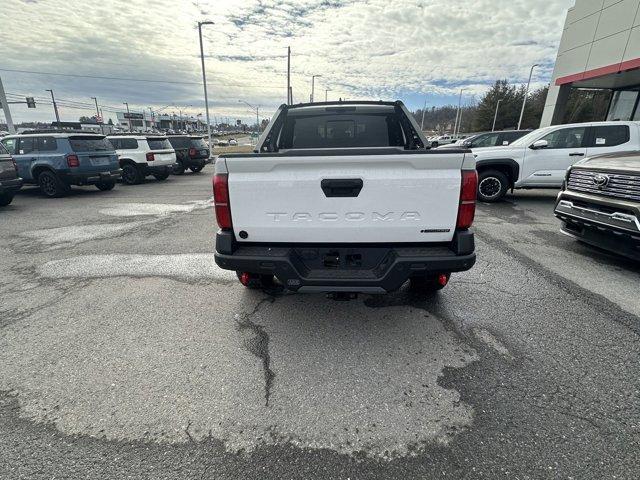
[[193, 152], [150, 157], [73, 161], [468, 192], [221, 200]]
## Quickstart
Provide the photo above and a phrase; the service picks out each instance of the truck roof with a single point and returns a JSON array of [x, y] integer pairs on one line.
[[331, 107]]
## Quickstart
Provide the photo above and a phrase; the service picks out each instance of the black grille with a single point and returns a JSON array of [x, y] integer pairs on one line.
[[619, 185]]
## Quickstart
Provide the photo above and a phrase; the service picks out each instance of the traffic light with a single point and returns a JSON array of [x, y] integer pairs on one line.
[[31, 103]]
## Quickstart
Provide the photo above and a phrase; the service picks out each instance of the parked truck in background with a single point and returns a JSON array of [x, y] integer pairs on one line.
[[345, 197], [541, 158]]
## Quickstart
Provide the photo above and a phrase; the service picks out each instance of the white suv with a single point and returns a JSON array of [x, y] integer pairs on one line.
[[143, 155], [540, 159]]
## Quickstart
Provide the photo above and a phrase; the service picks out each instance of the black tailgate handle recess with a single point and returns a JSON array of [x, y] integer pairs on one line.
[[341, 187]]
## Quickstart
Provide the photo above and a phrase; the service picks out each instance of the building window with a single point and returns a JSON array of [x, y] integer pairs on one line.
[[622, 105]]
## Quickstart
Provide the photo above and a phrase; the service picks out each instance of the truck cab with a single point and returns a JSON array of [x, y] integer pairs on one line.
[[541, 158]]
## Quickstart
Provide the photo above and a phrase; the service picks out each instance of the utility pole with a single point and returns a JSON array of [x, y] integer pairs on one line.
[[128, 114], [98, 117], [5, 108], [313, 86], [204, 81], [455, 126], [495, 116], [291, 94], [289, 99], [423, 110], [257, 110], [326, 91], [55, 107], [526, 92]]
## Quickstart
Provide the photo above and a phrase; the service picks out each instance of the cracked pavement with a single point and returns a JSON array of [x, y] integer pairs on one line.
[[126, 353]]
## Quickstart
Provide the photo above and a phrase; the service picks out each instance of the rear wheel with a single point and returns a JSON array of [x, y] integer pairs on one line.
[[106, 186], [5, 199], [492, 186], [131, 174], [429, 283], [178, 168], [255, 281], [161, 176], [51, 185], [196, 168]]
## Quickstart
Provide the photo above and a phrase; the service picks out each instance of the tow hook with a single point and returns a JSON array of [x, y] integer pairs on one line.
[[342, 296]]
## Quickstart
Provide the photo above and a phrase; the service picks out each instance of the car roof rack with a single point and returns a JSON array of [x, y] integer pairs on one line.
[[135, 134], [72, 132]]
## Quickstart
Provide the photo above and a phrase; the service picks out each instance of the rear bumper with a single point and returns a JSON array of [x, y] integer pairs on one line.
[[609, 224], [90, 178], [386, 268], [195, 161], [159, 169], [9, 187]]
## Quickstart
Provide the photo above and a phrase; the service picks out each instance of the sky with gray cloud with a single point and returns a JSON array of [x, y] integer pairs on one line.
[[372, 49]]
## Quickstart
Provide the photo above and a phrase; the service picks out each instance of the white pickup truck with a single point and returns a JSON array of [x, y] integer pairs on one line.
[[344, 198], [540, 159]]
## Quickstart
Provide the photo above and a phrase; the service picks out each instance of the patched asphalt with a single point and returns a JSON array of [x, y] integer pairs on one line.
[[127, 353]]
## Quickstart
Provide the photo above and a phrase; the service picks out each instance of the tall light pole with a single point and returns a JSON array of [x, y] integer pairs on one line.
[[128, 114], [313, 86], [495, 115], [455, 126], [526, 92], [423, 110], [55, 106], [98, 114], [204, 80], [289, 99], [4, 105], [255, 109], [326, 94]]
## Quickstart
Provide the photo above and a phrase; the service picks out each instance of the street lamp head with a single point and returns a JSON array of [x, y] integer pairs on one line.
[[206, 22]]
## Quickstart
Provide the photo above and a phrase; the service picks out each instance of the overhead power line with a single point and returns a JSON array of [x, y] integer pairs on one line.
[[128, 79], [100, 77]]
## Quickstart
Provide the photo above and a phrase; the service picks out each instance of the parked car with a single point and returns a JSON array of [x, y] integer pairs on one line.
[[233, 142], [191, 152], [57, 160], [600, 202], [540, 158], [442, 140], [143, 155], [345, 197], [10, 182], [488, 139]]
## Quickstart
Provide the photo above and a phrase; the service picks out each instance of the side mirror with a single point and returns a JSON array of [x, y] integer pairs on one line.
[[538, 144]]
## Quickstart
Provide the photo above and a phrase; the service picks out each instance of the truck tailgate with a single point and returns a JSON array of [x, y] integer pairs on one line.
[[399, 197]]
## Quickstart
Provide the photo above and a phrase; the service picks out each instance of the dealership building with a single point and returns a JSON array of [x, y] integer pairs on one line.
[[600, 49]]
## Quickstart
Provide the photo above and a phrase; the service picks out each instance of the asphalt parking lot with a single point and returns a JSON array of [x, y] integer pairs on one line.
[[126, 353]]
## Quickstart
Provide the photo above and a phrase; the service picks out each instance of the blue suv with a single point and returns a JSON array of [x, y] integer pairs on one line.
[[55, 161]]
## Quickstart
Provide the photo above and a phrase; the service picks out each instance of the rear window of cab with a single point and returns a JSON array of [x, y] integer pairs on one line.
[[80, 143]]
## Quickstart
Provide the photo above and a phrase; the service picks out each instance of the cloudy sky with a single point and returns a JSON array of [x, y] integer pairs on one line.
[[371, 49]]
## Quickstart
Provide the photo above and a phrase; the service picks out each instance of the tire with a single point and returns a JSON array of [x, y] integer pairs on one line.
[[105, 186], [5, 200], [196, 168], [257, 282], [427, 284], [492, 186], [178, 169], [161, 176], [131, 174], [51, 185]]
